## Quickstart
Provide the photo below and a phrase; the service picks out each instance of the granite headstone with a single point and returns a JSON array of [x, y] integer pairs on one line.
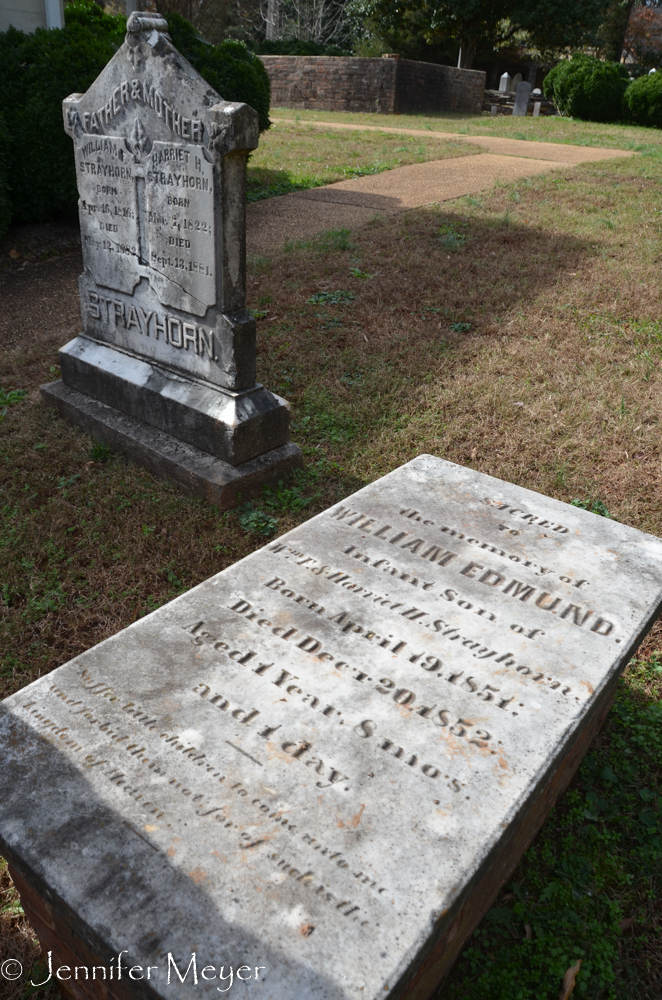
[[164, 368], [323, 762], [522, 95], [504, 83]]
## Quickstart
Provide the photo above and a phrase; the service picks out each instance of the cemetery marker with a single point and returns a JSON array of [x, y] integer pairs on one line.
[[522, 95], [164, 369], [323, 763]]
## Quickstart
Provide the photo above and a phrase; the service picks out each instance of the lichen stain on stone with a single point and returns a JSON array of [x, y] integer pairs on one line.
[[354, 821], [198, 875]]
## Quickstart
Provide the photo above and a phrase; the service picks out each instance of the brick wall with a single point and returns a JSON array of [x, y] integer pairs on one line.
[[423, 86], [349, 83]]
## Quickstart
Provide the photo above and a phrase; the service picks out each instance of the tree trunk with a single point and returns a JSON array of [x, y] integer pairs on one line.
[[272, 20], [615, 28], [467, 52]]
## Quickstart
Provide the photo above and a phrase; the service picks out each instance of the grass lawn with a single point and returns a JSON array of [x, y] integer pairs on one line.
[[545, 129], [519, 333], [294, 156]]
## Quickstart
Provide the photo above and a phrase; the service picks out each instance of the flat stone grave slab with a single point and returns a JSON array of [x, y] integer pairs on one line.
[[318, 767]]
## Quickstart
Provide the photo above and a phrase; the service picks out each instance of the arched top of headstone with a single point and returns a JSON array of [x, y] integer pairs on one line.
[[149, 92]]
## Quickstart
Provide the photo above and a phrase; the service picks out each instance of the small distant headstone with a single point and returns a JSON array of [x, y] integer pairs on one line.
[[164, 368], [315, 770], [517, 79], [494, 109], [522, 95], [536, 91], [505, 84], [536, 109]]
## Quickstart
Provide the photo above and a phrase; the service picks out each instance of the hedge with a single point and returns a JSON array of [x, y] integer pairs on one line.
[[39, 70], [585, 87], [643, 100], [230, 68], [5, 203]]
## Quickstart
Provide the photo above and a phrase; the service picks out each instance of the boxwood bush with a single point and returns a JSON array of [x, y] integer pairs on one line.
[[643, 100], [585, 87], [39, 70]]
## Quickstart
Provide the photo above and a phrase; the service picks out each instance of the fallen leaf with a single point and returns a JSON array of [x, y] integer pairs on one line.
[[569, 980], [528, 933], [14, 254], [627, 925], [474, 452], [306, 929]]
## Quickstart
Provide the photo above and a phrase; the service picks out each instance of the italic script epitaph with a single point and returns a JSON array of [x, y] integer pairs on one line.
[[322, 763], [164, 368]]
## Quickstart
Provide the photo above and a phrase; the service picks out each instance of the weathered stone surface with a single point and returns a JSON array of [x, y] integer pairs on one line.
[[522, 95], [159, 228], [161, 168], [233, 426], [326, 759], [170, 458]]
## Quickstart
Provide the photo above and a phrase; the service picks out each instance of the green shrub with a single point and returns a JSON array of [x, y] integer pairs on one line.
[[588, 88], [39, 70], [643, 100], [5, 205]]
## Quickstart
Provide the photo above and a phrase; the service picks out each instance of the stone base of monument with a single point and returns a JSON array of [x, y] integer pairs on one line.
[[167, 457]]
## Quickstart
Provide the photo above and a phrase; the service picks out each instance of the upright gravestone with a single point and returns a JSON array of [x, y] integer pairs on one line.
[[314, 771], [165, 366], [504, 83], [522, 95]]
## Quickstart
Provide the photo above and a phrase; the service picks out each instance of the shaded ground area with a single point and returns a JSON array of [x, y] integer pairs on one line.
[[354, 202], [39, 268]]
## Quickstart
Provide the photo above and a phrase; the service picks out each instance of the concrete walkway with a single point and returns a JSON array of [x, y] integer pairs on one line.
[[350, 203]]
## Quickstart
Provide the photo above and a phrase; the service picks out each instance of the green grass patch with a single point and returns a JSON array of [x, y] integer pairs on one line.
[[292, 157], [588, 890]]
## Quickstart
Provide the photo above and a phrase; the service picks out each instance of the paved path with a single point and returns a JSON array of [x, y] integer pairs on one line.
[[349, 203]]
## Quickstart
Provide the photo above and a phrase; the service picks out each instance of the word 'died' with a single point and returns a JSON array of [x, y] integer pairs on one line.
[[402, 698], [349, 624]]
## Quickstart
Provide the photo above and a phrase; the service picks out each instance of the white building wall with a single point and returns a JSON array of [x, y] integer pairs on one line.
[[28, 15]]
